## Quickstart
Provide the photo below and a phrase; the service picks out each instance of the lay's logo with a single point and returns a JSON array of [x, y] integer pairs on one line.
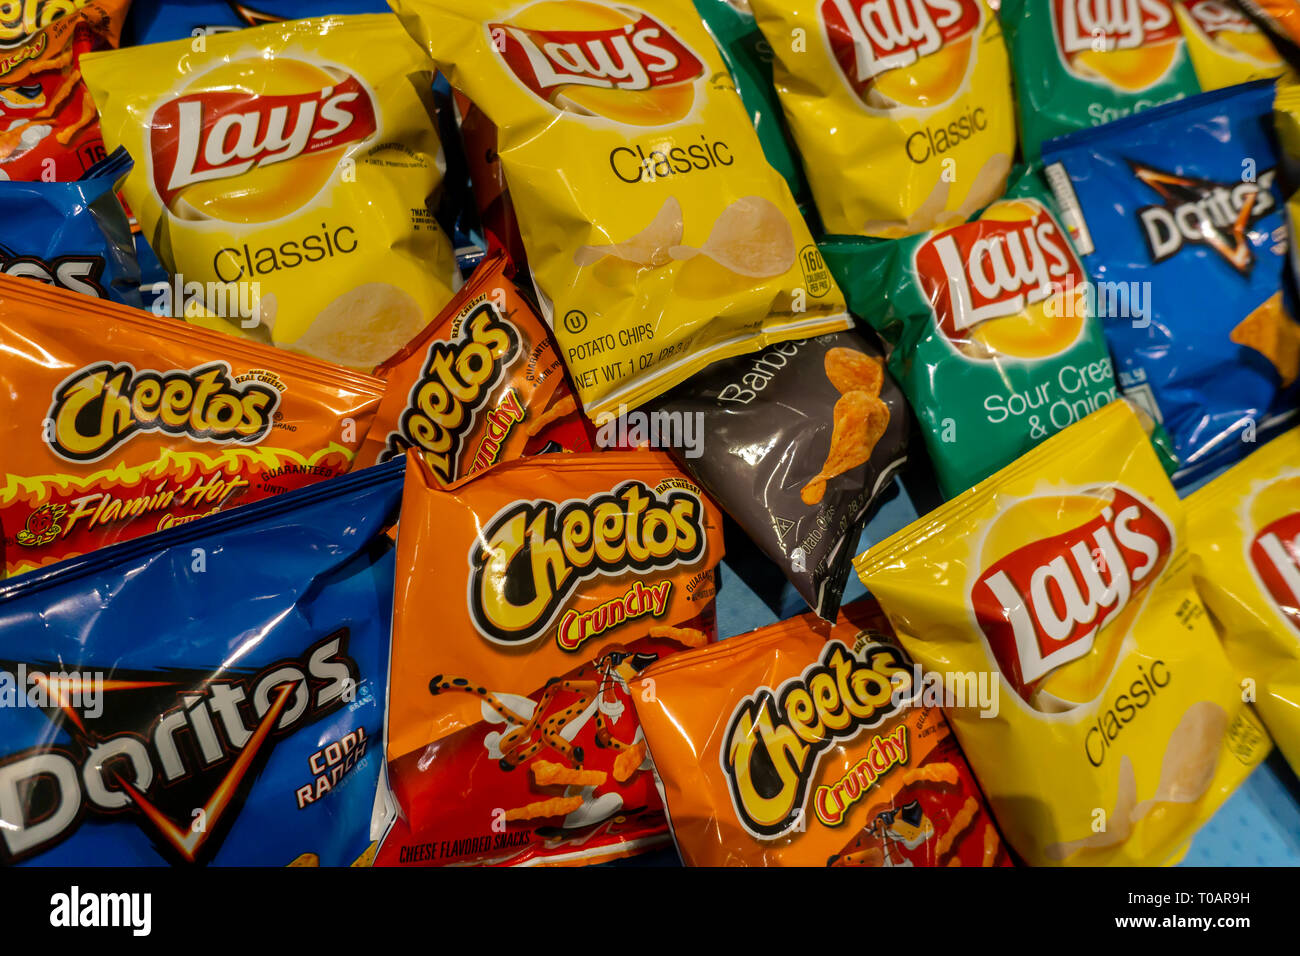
[[1275, 556], [218, 133], [1042, 605], [531, 556], [1129, 44], [870, 38], [1214, 17], [1003, 266], [603, 48]]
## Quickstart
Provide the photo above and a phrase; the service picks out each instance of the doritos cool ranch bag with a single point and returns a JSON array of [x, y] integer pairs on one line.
[[1079, 63], [75, 235], [902, 109], [1067, 574], [481, 384], [529, 596], [659, 238], [995, 343], [1244, 531], [1179, 220], [1225, 45], [153, 713], [115, 423], [809, 744], [48, 126], [289, 168]]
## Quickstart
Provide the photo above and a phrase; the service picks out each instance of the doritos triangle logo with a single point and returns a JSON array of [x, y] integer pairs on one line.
[[531, 557], [989, 269], [1200, 211], [1275, 556], [1103, 25], [219, 133], [871, 37], [775, 739], [174, 753], [638, 54], [458, 379], [1042, 605]]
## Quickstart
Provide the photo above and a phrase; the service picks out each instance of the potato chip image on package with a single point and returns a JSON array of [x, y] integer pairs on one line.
[[902, 109], [293, 164], [1120, 727], [660, 239]]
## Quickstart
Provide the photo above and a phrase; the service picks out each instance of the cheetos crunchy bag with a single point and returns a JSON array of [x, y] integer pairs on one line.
[[529, 596], [1120, 727], [115, 423], [481, 384], [811, 744], [902, 109], [1080, 63], [659, 238], [289, 168], [1244, 531]]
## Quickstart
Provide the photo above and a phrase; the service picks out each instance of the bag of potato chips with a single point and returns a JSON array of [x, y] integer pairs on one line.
[[48, 126], [1244, 534], [1078, 63], [529, 596], [902, 109], [115, 423], [481, 384], [659, 238], [873, 778], [1177, 215], [1225, 45], [289, 167], [1282, 17], [1121, 727], [994, 342]]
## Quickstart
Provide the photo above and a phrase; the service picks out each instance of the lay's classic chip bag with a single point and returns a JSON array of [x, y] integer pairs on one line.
[[529, 596], [1244, 534], [481, 384], [1178, 216], [115, 423], [48, 126], [810, 744], [1067, 575], [72, 235], [1225, 45], [1080, 63], [902, 108], [296, 160], [1282, 17], [154, 693], [156, 21], [659, 238], [994, 343]]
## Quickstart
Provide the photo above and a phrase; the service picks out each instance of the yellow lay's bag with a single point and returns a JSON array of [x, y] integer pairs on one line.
[[1119, 727], [290, 168], [902, 108], [1225, 45], [1244, 532], [659, 238]]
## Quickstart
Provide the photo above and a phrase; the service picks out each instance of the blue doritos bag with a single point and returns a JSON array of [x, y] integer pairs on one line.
[[1178, 218], [155, 21], [72, 235], [213, 693]]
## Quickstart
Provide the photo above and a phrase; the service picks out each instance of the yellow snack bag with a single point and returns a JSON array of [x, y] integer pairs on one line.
[[902, 109], [288, 169], [1225, 45], [659, 238], [1244, 530], [1119, 726]]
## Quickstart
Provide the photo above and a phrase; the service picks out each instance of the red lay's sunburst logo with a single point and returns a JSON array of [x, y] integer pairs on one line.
[[1042, 604], [1231, 30], [1275, 550], [614, 61], [902, 52], [280, 125], [998, 285], [1129, 44]]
